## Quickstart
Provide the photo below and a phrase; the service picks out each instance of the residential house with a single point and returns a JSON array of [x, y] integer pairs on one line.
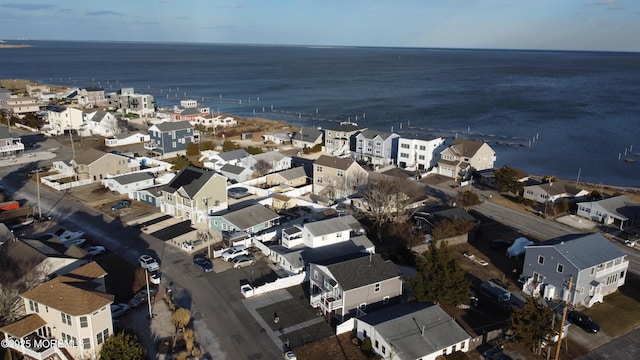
[[5, 94], [101, 123], [281, 202], [462, 158], [293, 177], [324, 232], [9, 145], [190, 114], [267, 162], [127, 183], [149, 196], [306, 138], [550, 192], [72, 308], [91, 97], [97, 165], [194, 194], [595, 266], [127, 138], [127, 101], [220, 121], [618, 210], [412, 331], [215, 160], [340, 140], [426, 219], [170, 137], [22, 105], [418, 151], [344, 289], [277, 138], [63, 119], [251, 219], [488, 177], [236, 173], [376, 147], [336, 178]]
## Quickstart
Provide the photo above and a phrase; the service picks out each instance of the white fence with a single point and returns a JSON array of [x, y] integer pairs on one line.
[[346, 326], [50, 181], [280, 283]]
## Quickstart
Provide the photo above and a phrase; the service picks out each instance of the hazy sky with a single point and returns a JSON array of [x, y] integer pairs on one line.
[[502, 24]]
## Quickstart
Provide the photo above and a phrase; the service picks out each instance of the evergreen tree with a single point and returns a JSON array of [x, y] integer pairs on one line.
[[439, 278], [506, 180], [122, 346], [532, 325]]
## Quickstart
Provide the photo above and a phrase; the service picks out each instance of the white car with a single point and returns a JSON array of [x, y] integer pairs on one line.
[[154, 277], [66, 235], [233, 252], [243, 260], [95, 250], [118, 310], [149, 263]]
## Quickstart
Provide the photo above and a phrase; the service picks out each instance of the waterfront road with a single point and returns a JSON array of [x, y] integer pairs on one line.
[[228, 331]]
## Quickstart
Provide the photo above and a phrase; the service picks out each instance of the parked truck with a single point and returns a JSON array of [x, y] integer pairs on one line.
[[9, 205]]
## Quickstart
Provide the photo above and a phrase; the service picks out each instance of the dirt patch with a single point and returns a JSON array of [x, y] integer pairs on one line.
[[341, 347]]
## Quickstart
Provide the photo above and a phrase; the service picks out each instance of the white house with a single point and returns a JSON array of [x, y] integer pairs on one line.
[[127, 101], [127, 138], [216, 160], [274, 161], [127, 183], [412, 331], [101, 123], [419, 151], [325, 232], [61, 119], [618, 210]]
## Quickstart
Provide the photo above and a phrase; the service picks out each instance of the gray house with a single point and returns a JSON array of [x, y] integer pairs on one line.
[[412, 331], [596, 266], [235, 173], [170, 137], [376, 147], [251, 219], [349, 288], [619, 210]]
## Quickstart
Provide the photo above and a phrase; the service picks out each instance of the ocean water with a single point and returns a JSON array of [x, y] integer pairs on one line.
[[549, 113]]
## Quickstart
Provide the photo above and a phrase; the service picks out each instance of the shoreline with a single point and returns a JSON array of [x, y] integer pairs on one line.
[[12, 46]]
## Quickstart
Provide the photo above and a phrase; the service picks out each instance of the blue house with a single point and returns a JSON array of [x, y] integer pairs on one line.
[[170, 137]]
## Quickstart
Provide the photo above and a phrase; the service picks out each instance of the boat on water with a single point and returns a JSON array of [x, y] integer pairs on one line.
[[628, 160]]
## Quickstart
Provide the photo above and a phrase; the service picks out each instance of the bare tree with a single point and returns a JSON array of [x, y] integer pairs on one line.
[[262, 167]]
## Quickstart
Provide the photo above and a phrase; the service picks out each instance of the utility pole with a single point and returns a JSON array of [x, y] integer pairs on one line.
[[564, 318], [38, 193]]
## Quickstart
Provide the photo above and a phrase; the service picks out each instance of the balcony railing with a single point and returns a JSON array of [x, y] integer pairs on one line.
[[325, 300], [615, 268]]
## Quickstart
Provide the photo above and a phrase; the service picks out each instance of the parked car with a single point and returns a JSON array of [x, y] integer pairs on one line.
[[583, 321], [140, 297], [495, 354], [290, 355], [243, 260], [203, 264], [37, 170], [154, 277], [95, 250], [148, 262], [120, 205], [118, 310], [234, 251]]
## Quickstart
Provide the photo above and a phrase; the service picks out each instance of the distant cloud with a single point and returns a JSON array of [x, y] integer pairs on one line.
[[28, 6], [236, 5], [611, 4], [182, 18], [104, 13]]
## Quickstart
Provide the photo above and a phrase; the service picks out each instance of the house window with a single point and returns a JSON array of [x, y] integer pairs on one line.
[[422, 147], [99, 339], [315, 274], [319, 181], [341, 173], [86, 343], [376, 287], [83, 322], [319, 168], [540, 259], [593, 271], [66, 319], [559, 268], [33, 306], [362, 306], [173, 144], [377, 344], [384, 350]]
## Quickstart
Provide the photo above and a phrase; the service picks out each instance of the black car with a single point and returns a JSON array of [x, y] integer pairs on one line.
[[583, 321], [495, 354]]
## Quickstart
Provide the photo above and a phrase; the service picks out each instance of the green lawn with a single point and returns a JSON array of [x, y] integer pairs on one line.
[[619, 312]]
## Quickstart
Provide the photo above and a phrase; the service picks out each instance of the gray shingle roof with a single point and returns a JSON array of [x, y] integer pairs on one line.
[[466, 147], [269, 156], [233, 154], [307, 134], [355, 273], [232, 169], [583, 250], [191, 179], [250, 216], [293, 173], [173, 125], [132, 178], [621, 206], [416, 330], [370, 134], [329, 226], [334, 162]]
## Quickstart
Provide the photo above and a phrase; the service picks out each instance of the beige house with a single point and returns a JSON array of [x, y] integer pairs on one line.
[[465, 156], [68, 317], [293, 177], [336, 178], [97, 165], [194, 193]]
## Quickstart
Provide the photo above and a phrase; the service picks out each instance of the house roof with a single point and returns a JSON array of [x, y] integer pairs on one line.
[[370, 134], [334, 162], [328, 226], [250, 216], [124, 135], [172, 125], [416, 330], [188, 111], [269, 156], [465, 147], [191, 179], [98, 115], [25, 326], [5, 133], [56, 108], [299, 256], [307, 134], [73, 293], [88, 156], [582, 250], [292, 173], [233, 154], [420, 136], [621, 206], [132, 178], [232, 169], [558, 188], [362, 271]]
